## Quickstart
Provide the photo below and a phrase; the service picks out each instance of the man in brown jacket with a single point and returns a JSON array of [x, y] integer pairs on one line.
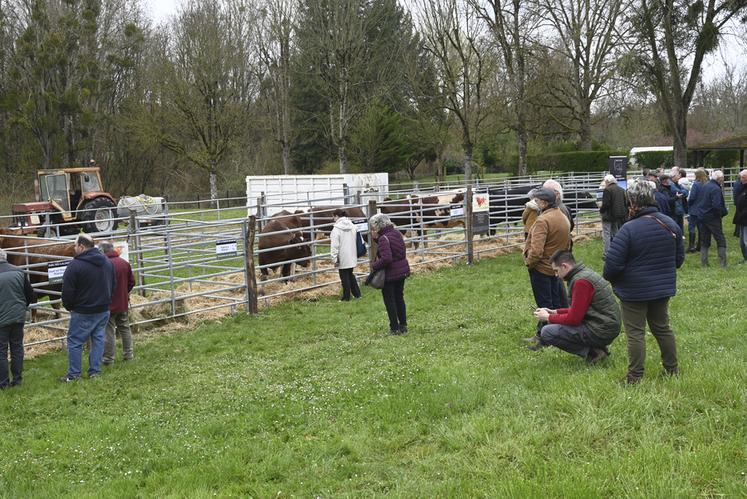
[[550, 233]]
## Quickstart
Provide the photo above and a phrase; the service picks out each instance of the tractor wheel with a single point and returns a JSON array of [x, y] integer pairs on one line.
[[100, 215]]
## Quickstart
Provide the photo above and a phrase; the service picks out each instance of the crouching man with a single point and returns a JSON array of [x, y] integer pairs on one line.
[[593, 320]]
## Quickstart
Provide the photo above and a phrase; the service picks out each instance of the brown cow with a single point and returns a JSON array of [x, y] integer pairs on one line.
[[272, 257], [40, 247], [437, 209]]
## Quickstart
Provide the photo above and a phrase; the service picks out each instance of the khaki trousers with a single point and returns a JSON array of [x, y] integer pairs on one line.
[[118, 323], [635, 315]]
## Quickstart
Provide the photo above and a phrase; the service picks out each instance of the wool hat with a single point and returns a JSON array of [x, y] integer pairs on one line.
[[545, 194]]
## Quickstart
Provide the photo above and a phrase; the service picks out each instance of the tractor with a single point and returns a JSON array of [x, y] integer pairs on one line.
[[69, 200]]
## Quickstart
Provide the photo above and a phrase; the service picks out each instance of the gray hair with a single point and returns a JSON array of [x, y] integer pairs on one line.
[[743, 173], [641, 194], [717, 175], [3, 256], [106, 246], [610, 179], [379, 221], [554, 185]]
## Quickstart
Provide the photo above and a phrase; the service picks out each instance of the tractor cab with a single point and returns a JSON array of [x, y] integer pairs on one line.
[[66, 196]]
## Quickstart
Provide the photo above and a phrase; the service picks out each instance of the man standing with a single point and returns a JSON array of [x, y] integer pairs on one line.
[[16, 294], [666, 196], [549, 234], [712, 209], [119, 319], [614, 210], [642, 266], [87, 289], [593, 320], [740, 215]]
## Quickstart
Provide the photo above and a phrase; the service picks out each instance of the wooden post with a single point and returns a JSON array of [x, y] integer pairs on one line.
[[133, 238], [250, 229], [468, 232], [371, 243]]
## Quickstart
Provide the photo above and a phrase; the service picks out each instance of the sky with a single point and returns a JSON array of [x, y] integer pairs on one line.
[[731, 50]]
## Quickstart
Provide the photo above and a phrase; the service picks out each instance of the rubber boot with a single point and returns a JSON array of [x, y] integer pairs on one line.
[[691, 244], [704, 256], [722, 256]]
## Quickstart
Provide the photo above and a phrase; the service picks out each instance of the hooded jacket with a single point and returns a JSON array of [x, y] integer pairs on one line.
[[16, 294], [344, 251], [88, 284], [392, 255]]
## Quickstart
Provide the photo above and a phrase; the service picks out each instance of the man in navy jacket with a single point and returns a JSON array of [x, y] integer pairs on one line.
[[87, 288], [641, 266], [713, 209]]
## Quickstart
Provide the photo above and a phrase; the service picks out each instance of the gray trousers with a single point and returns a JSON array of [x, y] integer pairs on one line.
[[572, 339], [609, 230], [118, 323], [635, 315]]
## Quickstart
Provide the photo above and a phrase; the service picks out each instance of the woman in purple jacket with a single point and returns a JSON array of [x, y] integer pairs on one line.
[[391, 256]]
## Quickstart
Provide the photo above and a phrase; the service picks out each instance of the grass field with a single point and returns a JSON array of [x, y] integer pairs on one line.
[[310, 399]]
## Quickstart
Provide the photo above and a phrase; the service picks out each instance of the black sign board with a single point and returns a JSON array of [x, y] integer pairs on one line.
[[481, 222], [618, 166]]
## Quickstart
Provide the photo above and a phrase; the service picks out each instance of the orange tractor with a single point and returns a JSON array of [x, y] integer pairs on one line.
[[67, 200]]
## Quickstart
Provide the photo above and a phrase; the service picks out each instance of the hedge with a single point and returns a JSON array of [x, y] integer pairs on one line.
[[576, 161]]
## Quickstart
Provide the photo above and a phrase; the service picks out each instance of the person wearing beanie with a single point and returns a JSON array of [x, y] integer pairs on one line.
[[16, 294]]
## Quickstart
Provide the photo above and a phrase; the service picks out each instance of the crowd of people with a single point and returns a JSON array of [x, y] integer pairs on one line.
[[642, 231]]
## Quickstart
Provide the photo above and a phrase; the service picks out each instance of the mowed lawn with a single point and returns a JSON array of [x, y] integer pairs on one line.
[[310, 399]]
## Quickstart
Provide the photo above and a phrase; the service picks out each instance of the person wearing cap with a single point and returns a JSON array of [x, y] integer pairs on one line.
[[16, 294], [530, 214], [642, 267], [665, 196], [119, 318], [712, 209], [591, 322], [555, 186], [614, 210], [88, 285], [550, 233]]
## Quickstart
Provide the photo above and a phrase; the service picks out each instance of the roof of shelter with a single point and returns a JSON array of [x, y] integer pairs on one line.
[[735, 142]]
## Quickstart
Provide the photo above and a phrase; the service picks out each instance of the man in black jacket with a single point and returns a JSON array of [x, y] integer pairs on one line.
[[614, 210], [16, 294], [87, 288], [740, 215]]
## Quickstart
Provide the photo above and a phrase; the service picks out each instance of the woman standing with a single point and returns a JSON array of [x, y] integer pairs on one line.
[[391, 256], [344, 253]]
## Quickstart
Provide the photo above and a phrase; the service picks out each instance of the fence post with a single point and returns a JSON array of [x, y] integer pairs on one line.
[[312, 242], [345, 194], [172, 284], [371, 243], [133, 234], [250, 275], [468, 224]]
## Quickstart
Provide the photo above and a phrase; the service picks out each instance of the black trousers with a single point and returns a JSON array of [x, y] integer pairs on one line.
[[349, 284], [712, 227], [394, 301], [11, 335]]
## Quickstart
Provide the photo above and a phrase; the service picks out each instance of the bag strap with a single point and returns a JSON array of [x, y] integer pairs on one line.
[[671, 232]]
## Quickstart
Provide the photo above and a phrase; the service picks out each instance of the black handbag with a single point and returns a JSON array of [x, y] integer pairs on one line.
[[376, 279], [360, 245]]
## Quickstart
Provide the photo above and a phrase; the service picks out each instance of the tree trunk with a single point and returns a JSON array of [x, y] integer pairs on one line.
[[286, 158], [213, 185], [342, 153], [522, 138], [584, 134], [680, 136], [468, 162]]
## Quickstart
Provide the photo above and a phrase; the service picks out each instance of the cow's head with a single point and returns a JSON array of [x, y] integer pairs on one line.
[[303, 251]]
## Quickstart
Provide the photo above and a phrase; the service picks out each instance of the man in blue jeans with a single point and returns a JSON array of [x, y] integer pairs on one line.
[[87, 288]]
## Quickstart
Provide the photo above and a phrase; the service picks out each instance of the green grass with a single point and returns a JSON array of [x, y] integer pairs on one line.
[[310, 399]]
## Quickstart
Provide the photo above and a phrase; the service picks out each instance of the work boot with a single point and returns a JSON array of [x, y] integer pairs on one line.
[[691, 244], [722, 256], [704, 256]]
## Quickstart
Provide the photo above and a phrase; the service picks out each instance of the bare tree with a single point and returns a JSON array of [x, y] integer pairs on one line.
[[274, 41], [674, 38], [587, 34], [513, 25], [210, 83], [463, 60]]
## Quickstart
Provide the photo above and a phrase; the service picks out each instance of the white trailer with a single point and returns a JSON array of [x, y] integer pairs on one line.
[[299, 192]]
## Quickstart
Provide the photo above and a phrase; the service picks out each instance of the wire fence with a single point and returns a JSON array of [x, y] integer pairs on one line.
[[194, 263]]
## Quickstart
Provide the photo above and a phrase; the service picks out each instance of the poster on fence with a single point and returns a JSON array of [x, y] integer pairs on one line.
[[480, 213], [226, 249], [55, 271]]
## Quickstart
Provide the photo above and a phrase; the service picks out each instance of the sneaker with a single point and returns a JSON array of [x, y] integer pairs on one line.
[[596, 355], [536, 347], [66, 379], [94, 375]]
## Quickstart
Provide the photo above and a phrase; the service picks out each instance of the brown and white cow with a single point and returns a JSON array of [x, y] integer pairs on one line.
[[274, 238]]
